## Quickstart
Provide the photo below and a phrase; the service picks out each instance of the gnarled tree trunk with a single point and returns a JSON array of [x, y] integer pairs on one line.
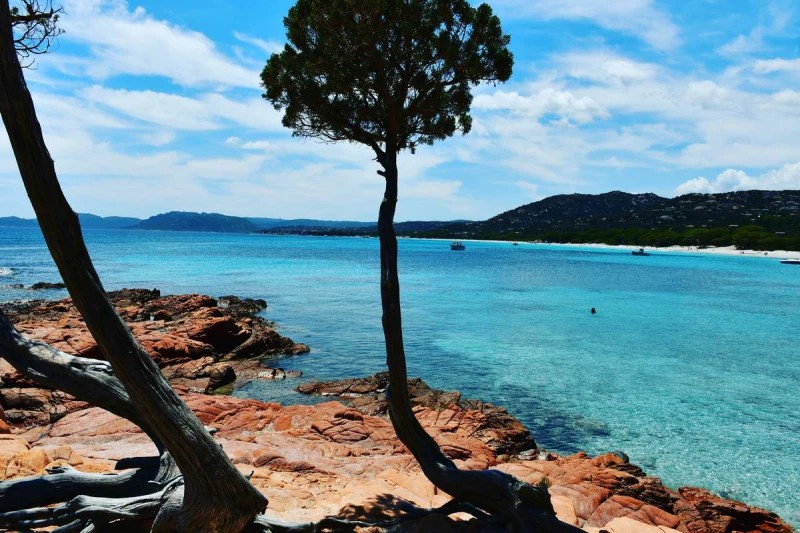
[[216, 496], [523, 507]]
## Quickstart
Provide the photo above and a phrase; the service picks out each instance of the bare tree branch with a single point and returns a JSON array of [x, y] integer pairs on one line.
[[35, 28]]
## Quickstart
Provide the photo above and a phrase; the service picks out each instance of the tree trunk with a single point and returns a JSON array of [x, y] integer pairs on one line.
[[217, 497], [524, 507]]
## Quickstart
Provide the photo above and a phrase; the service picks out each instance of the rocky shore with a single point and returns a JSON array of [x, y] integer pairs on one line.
[[200, 343], [335, 458]]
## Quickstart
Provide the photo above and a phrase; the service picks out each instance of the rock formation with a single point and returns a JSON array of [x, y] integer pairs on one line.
[[198, 342]]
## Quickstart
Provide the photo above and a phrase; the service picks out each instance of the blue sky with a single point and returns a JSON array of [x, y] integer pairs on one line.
[[156, 106]]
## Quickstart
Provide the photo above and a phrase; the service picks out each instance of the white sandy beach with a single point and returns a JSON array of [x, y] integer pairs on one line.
[[722, 250]]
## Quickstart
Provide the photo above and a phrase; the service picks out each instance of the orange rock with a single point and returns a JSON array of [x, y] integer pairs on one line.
[[194, 335]]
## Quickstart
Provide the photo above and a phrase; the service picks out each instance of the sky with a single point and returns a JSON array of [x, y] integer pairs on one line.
[[153, 106]]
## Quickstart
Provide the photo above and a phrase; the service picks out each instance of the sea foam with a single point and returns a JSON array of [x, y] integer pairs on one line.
[[6, 272]]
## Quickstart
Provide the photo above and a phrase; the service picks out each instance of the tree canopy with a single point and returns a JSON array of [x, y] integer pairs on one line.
[[390, 74]]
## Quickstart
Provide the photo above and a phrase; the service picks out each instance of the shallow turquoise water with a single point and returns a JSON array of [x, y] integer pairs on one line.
[[690, 365]]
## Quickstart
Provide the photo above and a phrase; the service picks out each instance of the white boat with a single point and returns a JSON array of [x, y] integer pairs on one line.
[[790, 261]]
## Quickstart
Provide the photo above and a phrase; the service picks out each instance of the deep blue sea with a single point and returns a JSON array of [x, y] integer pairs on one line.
[[691, 365]]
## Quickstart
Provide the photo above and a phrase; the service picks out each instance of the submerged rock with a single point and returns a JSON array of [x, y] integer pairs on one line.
[[42, 285]]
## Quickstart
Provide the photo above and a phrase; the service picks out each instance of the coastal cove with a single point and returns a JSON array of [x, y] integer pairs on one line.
[[689, 366]]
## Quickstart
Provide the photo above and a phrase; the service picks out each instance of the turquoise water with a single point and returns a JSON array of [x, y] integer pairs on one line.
[[690, 366]]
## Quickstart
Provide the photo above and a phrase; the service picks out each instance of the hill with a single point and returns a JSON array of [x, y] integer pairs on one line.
[[183, 221], [186, 221], [93, 221], [748, 219], [87, 221], [364, 228], [16, 222], [270, 223]]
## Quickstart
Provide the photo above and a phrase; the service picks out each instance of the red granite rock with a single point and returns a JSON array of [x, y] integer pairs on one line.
[[703, 511], [491, 424], [313, 461], [188, 336]]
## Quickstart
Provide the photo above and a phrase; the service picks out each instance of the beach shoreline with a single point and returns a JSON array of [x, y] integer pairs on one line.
[[720, 250]]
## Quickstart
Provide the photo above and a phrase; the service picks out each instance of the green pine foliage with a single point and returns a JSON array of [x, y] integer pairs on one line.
[[390, 74]]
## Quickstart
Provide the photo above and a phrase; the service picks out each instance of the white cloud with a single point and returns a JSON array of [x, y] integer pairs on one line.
[[545, 102], [604, 67], [258, 145], [134, 43], [770, 66], [635, 17], [695, 185], [785, 177], [744, 44], [210, 111], [530, 189], [270, 47], [787, 97], [155, 107], [66, 112], [158, 137], [252, 112], [708, 94], [431, 189]]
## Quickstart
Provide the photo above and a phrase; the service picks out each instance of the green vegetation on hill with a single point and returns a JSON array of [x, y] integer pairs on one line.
[[757, 220], [87, 221], [183, 221], [93, 221], [271, 223], [363, 228]]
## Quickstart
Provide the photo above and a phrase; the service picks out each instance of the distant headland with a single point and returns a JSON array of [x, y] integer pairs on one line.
[[752, 220]]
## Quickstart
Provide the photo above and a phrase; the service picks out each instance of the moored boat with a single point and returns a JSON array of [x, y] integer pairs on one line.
[[640, 251], [457, 245], [790, 261]]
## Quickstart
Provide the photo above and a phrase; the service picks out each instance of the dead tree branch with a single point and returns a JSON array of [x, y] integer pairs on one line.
[[35, 28]]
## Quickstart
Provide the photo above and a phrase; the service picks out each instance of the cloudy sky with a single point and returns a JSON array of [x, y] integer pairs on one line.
[[152, 106]]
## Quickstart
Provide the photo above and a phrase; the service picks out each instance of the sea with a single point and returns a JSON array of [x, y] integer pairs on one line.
[[691, 364]]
